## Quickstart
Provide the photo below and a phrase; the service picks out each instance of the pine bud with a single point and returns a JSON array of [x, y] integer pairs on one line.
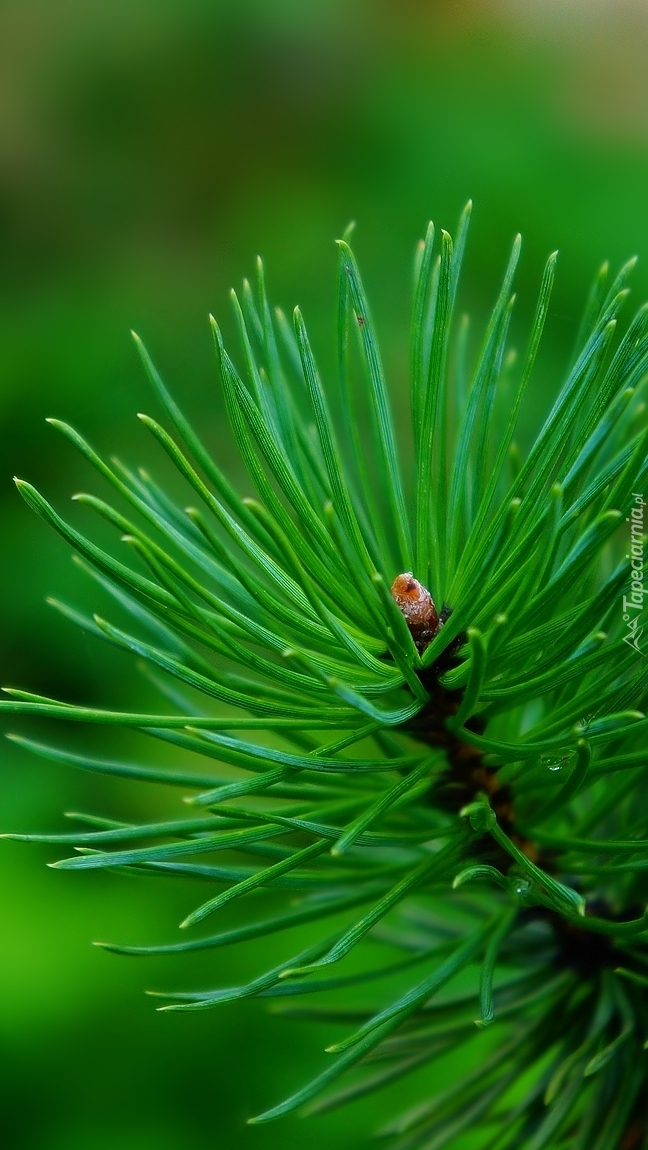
[[417, 606]]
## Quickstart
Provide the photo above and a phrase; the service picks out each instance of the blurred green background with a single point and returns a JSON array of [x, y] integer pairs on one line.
[[148, 150]]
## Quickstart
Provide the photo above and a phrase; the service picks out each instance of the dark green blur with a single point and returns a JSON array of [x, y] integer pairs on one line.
[[148, 150]]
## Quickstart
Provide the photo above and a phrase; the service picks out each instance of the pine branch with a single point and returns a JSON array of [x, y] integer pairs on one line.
[[413, 695]]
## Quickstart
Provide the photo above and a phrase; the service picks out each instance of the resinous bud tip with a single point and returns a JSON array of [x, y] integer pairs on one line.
[[417, 607]]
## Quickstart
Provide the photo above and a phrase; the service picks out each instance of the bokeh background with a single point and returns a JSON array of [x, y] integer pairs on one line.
[[148, 150]]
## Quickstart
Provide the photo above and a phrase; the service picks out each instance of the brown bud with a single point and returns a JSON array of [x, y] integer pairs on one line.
[[417, 606]]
